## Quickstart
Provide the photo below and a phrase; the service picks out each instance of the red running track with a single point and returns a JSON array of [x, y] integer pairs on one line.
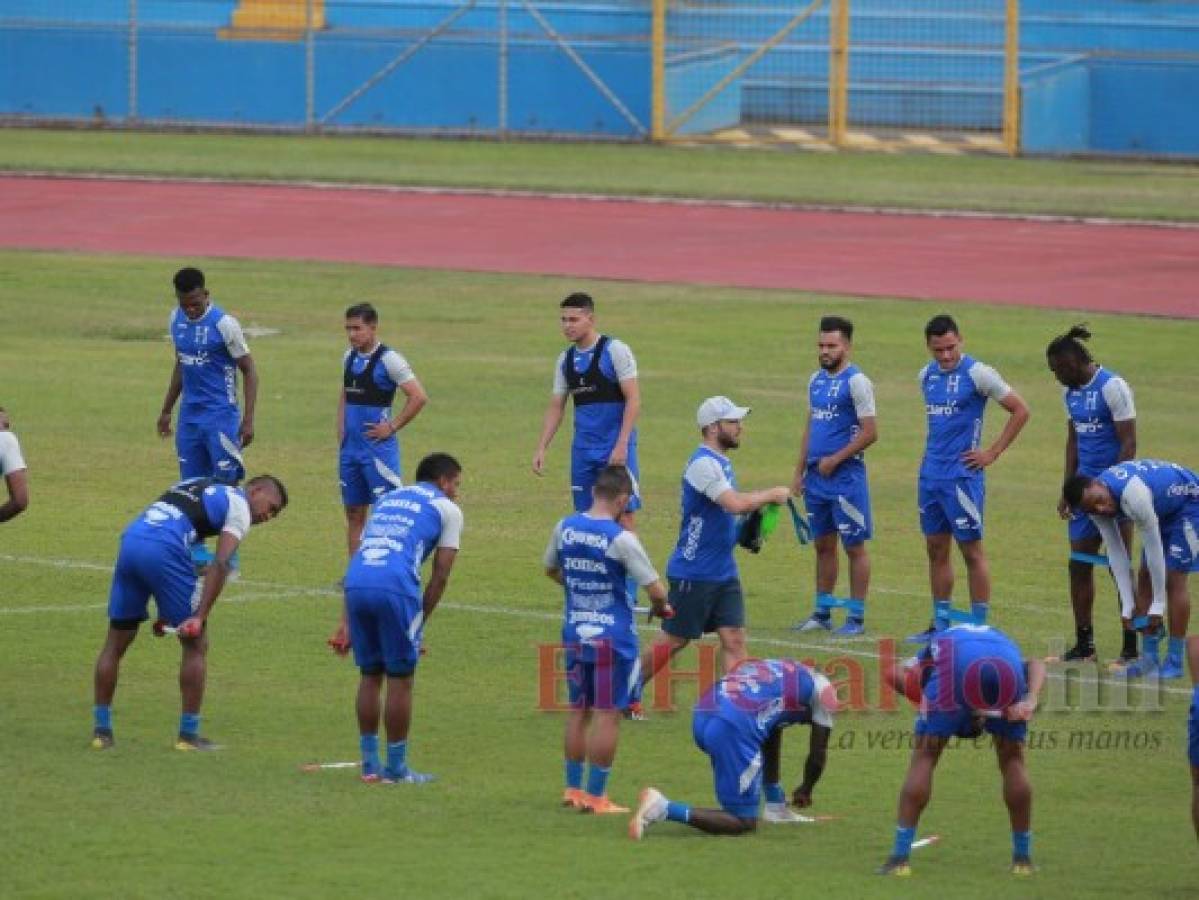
[[1110, 268]]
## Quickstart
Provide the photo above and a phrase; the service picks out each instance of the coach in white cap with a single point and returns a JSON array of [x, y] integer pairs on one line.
[[705, 589]]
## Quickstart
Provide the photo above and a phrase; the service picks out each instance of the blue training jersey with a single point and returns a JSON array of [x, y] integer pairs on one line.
[[1174, 488], [763, 695], [837, 401], [1094, 410], [598, 606], [194, 509], [954, 403], [370, 381], [592, 379], [707, 534], [984, 665], [405, 526], [205, 349]]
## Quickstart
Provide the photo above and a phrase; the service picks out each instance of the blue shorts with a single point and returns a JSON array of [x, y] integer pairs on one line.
[[611, 682], [1180, 538], [366, 475], [159, 569], [1082, 527], [840, 503], [700, 607], [386, 628], [736, 764], [985, 684], [952, 505], [585, 465], [209, 447], [1193, 729]]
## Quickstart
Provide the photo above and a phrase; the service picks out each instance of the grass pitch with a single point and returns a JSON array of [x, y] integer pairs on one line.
[[83, 366]]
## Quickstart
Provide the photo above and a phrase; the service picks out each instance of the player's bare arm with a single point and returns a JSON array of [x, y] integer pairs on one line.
[[415, 400], [1018, 416], [174, 389], [867, 435], [249, 374], [632, 409], [554, 412]]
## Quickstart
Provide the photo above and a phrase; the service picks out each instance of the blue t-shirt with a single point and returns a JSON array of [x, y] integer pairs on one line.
[[837, 402], [1093, 417], [405, 526], [984, 666], [389, 372], [599, 402], [707, 534], [954, 402], [763, 695], [1175, 488], [598, 606], [191, 509], [205, 349]]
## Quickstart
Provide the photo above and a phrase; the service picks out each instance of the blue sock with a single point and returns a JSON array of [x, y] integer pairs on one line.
[[1022, 843], [979, 610], [824, 605], [903, 842], [774, 793], [941, 610], [678, 812], [597, 780], [397, 756], [189, 723], [1195, 696], [857, 610], [103, 717], [369, 745], [574, 773], [1151, 647], [1176, 645]]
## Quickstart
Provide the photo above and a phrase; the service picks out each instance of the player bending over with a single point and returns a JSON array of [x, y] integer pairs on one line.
[[738, 722], [386, 612], [155, 560], [970, 679], [593, 557]]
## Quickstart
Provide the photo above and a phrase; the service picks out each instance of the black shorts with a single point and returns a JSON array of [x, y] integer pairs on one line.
[[700, 607]]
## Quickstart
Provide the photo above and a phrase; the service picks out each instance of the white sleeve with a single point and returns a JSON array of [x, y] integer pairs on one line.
[[622, 360], [235, 341], [1137, 504], [988, 382], [627, 550], [550, 557], [706, 476], [397, 368], [861, 391], [1118, 396], [10, 454], [451, 524], [559, 379], [1118, 561], [237, 518], [820, 715]]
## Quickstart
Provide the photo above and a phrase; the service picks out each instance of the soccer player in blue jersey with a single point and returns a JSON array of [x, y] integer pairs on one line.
[[1162, 500], [952, 485], [369, 453], [154, 560], [831, 474], [738, 722], [592, 557], [12, 467], [600, 374], [1101, 430], [1193, 729], [705, 586], [210, 350], [969, 679], [386, 611]]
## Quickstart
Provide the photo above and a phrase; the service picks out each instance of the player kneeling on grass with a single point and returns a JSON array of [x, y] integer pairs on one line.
[[594, 558], [385, 612], [971, 678], [155, 560], [738, 722]]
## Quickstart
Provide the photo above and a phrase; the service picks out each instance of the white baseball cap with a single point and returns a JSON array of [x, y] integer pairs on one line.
[[718, 409]]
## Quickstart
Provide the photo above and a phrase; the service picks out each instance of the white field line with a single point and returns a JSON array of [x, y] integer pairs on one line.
[[280, 592]]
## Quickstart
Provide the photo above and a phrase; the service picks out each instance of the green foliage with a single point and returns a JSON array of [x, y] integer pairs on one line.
[[84, 389]]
